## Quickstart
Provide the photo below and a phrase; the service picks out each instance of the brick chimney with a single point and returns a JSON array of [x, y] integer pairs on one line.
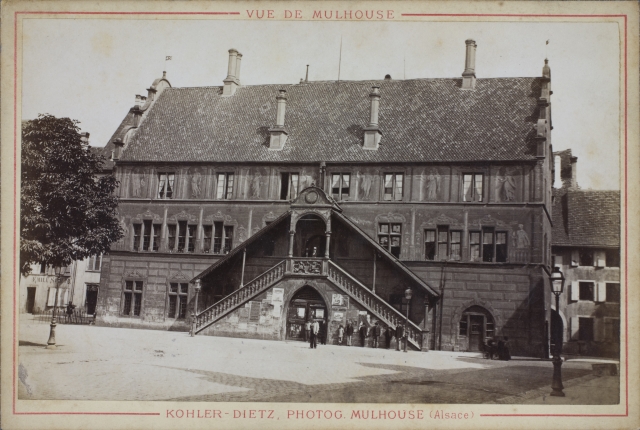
[[232, 81], [372, 134], [574, 172], [278, 133], [469, 74]]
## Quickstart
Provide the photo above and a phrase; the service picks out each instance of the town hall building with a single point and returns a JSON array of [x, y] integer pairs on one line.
[[259, 207]]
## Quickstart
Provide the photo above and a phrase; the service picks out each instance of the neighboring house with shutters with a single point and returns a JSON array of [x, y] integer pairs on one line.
[[586, 246], [326, 200]]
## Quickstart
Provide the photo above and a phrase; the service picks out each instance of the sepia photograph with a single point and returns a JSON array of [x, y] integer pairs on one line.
[[330, 215]]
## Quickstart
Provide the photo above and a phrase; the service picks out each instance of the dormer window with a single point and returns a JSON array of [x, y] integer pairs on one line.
[[472, 187], [165, 185], [225, 186], [340, 185]]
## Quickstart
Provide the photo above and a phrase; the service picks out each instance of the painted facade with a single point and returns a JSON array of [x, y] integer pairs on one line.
[[445, 184]]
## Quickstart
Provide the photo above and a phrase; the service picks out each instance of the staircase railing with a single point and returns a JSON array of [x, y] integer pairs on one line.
[[387, 313], [251, 289]]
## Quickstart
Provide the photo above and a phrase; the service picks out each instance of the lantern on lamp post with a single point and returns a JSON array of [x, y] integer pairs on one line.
[[407, 295], [557, 286], [194, 314], [51, 343]]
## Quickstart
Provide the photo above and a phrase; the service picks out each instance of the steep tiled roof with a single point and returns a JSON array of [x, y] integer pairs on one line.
[[586, 218], [421, 120], [127, 122]]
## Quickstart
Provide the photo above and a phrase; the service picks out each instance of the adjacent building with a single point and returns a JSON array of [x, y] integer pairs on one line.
[[327, 200], [586, 246]]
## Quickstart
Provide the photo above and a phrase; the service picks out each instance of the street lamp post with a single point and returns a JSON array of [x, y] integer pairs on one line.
[[197, 288], [407, 294], [557, 286], [51, 343]]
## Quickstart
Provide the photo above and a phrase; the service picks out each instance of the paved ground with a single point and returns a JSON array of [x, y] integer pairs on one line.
[[99, 363]]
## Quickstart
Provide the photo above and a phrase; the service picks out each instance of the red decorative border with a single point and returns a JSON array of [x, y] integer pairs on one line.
[[15, 193]]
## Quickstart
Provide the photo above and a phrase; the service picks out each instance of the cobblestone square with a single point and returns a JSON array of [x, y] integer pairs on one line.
[[99, 363]]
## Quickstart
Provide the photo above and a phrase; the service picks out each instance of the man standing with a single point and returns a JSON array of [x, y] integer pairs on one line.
[[307, 331], [315, 329], [399, 335], [376, 334], [388, 334], [349, 333], [363, 334], [323, 332]]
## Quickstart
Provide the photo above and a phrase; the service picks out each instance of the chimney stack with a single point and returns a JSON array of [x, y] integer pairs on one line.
[[84, 137], [278, 133], [469, 74], [232, 81], [574, 172], [372, 134]]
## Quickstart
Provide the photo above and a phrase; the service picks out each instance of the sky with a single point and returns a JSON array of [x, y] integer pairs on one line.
[[91, 69]]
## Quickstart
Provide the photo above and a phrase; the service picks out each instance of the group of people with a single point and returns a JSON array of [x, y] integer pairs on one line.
[[376, 332], [499, 350]]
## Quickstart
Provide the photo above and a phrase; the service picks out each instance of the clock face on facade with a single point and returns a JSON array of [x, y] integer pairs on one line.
[[311, 197]]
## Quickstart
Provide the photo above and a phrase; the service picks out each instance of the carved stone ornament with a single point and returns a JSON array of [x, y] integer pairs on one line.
[[133, 274], [183, 215], [219, 216], [442, 219], [179, 275], [307, 267], [488, 220], [311, 197], [390, 217], [149, 215], [242, 234]]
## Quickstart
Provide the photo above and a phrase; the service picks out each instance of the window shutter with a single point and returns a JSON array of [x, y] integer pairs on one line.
[[598, 329], [574, 325], [600, 258], [575, 258], [601, 292], [51, 297], [575, 291]]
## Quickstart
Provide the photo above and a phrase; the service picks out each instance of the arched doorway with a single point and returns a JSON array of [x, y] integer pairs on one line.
[[306, 304], [477, 324], [310, 239]]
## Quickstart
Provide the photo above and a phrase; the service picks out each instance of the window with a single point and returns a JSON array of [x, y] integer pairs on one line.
[[95, 262], [340, 185], [585, 329], [228, 238], [613, 292], [463, 327], [156, 236], [146, 235], [207, 231], [613, 258], [488, 245], [288, 186], [393, 186], [586, 257], [165, 185], [171, 228], [222, 238], [191, 238], [132, 298], [586, 291], [225, 186], [137, 230], [182, 235], [390, 237], [178, 295], [472, 187], [43, 268], [430, 245], [442, 244]]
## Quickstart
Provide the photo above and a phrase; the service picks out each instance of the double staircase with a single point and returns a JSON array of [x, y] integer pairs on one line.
[[295, 267]]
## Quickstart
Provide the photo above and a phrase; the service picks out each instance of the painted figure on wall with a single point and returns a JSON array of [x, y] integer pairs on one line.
[[125, 230], [365, 184], [256, 185], [195, 184], [506, 186], [432, 185], [521, 238]]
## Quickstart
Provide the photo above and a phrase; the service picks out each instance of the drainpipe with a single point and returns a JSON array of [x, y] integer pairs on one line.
[[375, 254], [442, 282]]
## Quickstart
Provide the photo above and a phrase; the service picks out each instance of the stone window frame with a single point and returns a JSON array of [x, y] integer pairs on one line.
[[449, 230], [495, 231], [94, 263], [389, 235], [394, 174], [288, 172], [473, 173], [162, 196], [212, 223], [341, 173], [179, 295], [226, 192], [133, 292]]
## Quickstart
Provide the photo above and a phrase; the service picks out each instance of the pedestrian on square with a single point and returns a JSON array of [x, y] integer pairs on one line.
[[503, 349], [323, 332], [376, 334], [363, 334], [340, 334], [399, 335], [349, 333], [388, 334], [315, 329], [307, 330]]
